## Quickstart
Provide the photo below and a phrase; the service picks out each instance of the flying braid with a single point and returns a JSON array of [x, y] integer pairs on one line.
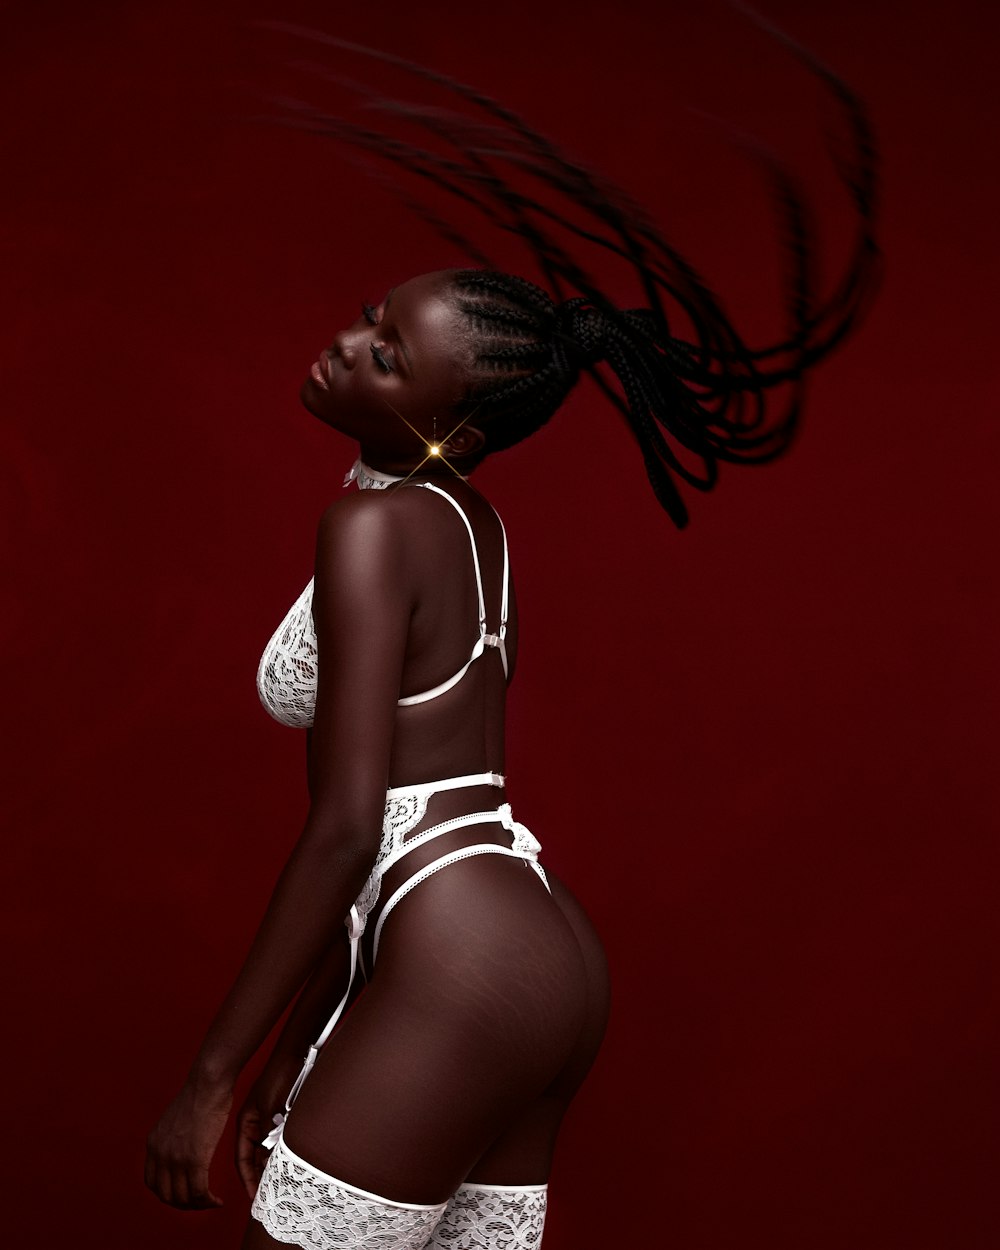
[[690, 402]]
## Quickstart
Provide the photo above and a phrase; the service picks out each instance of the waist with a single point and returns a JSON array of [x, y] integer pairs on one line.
[[411, 808], [420, 789]]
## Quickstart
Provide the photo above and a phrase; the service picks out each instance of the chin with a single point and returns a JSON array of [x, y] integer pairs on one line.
[[311, 399], [306, 397]]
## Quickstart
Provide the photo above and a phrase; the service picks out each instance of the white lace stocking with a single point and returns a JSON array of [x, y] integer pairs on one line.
[[302, 1206], [492, 1217]]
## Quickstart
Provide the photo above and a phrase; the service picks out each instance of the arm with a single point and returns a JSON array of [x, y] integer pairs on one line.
[[267, 1096], [361, 610], [313, 1007]]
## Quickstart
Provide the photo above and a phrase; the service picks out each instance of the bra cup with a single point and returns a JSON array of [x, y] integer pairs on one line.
[[288, 670]]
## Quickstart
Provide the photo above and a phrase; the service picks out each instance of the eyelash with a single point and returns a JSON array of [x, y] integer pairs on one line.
[[380, 358], [370, 314]]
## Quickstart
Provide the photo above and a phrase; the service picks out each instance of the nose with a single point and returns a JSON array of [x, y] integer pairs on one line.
[[345, 348]]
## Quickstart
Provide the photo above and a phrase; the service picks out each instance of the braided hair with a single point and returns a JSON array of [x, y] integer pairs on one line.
[[526, 357], [530, 352], [689, 402]]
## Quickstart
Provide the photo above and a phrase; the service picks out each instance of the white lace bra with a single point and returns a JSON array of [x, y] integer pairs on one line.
[[286, 675]]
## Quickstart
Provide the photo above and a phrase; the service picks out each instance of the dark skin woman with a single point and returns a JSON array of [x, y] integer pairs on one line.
[[428, 1116], [479, 1082]]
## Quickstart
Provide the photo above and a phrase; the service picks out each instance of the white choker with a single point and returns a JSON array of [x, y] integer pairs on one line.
[[373, 479], [368, 478]]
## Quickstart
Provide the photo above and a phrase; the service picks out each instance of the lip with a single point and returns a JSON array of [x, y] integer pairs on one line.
[[318, 375]]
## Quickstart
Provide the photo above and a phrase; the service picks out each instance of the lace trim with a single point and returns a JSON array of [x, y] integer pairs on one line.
[[374, 479], [367, 482], [302, 1206], [489, 1217], [402, 812]]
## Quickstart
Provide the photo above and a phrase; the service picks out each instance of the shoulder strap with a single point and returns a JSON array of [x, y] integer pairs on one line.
[[475, 554], [506, 582], [505, 594], [485, 639]]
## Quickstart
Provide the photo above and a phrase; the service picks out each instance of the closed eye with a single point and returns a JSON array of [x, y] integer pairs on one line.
[[380, 358]]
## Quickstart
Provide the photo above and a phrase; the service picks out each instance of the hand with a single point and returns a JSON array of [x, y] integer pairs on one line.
[[179, 1150], [255, 1118]]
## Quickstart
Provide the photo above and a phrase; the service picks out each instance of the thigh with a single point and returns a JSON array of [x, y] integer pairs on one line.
[[474, 1010]]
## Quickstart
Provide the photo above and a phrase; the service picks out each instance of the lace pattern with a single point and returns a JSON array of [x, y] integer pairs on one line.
[[286, 675], [302, 1206], [402, 813], [367, 482], [492, 1218]]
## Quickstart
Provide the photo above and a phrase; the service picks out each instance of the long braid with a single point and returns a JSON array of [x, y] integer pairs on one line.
[[529, 354], [712, 396]]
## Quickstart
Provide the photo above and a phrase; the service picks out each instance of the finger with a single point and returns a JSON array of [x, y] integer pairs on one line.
[[199, 1194], [163, 1187], [179, 1181], [149, 1171], [245, 1160], [247, 1133]]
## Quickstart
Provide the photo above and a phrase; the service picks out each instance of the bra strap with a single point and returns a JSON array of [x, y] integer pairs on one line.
[[504, 602], [499, 639], [425, 695], [475, 551]]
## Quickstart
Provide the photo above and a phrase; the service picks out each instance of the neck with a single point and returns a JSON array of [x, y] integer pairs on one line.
[[369, 476]]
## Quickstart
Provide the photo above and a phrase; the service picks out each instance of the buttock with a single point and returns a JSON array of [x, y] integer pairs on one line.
[[441, 808], [481, 921], [487, 920], [420, 858], [479, 998]]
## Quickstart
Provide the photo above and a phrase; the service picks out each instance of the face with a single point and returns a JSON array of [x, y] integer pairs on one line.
[[402, 364]]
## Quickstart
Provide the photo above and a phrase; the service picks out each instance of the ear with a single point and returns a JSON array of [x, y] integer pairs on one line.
[[468, 440]]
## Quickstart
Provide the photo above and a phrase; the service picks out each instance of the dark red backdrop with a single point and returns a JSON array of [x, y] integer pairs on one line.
[[760, 750]]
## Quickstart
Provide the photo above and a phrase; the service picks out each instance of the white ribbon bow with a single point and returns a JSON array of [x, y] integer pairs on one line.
[[272, 1139], [524, 842]]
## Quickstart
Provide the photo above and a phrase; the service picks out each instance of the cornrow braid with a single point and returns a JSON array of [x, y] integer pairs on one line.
[[519, 373], [690, 403], [530, 352]]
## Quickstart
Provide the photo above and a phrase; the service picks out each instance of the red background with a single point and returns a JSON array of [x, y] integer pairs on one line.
[[760, 750]]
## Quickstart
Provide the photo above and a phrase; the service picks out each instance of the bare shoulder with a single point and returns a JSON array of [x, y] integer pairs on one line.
[[371, 510], [368, 527]]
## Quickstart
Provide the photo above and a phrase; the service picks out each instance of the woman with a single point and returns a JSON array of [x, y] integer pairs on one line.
[[428, 1115]]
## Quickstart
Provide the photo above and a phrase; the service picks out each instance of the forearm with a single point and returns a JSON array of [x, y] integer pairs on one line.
[[314, 1006], [302, 925]]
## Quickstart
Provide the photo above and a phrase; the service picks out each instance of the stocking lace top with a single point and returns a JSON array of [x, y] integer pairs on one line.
[[287, 673]]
